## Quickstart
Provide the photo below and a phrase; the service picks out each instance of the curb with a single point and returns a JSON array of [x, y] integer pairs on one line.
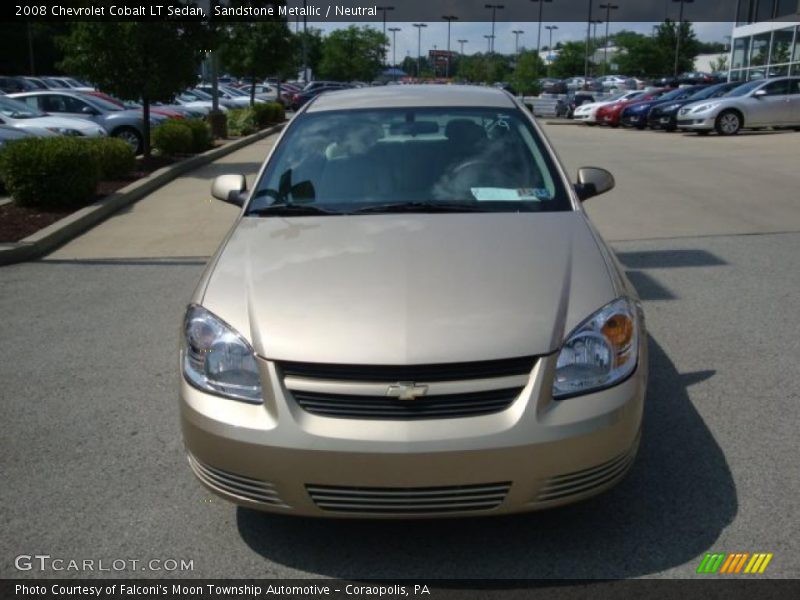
[[51, 237]]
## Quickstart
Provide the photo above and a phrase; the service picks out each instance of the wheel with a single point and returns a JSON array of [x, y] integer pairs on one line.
[[796, 128], [131, 137], [728, 123]]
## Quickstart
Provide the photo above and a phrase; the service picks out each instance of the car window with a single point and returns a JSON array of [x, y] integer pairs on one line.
[[61, 104], [777, 88], [16, 109], [489, 159], [794, 86]]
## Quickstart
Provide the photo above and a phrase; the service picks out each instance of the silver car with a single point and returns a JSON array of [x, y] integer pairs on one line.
[[412, 316], [752, 105]]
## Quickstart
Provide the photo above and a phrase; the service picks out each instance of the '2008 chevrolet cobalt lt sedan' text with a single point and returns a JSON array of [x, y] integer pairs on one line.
[[412, 316]]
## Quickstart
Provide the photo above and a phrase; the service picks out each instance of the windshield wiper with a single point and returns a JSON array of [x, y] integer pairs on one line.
[[420, 207], [290, 210]]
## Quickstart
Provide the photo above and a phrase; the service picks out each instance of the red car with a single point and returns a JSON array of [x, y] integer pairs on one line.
[[158, 110], [611, 113]]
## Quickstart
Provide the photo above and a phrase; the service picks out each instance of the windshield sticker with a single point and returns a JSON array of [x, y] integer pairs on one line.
[[494, 194]]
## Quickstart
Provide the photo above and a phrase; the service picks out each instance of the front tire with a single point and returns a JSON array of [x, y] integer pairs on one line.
[[131, 137], [728, 122]]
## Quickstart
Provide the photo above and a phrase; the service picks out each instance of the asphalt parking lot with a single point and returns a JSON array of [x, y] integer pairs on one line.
[[709, 232]]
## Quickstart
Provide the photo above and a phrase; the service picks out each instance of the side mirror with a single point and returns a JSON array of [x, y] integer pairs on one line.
[[759, 93], [88, 110], [230, 189], [593, 181]]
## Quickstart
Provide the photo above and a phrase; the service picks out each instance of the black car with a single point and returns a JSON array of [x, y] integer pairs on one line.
[[665, 115], [636, 113]]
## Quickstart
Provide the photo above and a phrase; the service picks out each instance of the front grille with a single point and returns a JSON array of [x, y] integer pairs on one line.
[[427, 373], [585, 480], [238, 485], [427, 407], [408, 501]]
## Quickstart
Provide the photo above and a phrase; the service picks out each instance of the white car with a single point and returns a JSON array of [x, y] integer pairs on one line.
[[587, 113], [611, 82], [14, 113]]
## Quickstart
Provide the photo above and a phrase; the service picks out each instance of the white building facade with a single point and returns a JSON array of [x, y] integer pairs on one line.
[[766, 40]]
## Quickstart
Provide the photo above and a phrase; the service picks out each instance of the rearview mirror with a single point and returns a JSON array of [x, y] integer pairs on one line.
[[759, 93], [593, 181], [230, 189]]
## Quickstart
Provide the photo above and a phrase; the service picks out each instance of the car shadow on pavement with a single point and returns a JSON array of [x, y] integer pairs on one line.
[[673, 505]]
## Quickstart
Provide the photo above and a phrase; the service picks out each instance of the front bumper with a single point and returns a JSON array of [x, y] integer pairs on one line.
[[535, 454], [635, 120], [661, 121], [696, 122]]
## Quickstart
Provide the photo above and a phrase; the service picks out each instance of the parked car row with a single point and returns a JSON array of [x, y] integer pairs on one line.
[[609, 83], [726, 108]]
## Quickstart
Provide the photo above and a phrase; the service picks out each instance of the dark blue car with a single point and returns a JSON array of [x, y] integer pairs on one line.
[[665, 114], [635, 114]]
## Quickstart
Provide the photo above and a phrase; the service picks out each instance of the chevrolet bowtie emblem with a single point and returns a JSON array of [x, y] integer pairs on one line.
[[406, 390]]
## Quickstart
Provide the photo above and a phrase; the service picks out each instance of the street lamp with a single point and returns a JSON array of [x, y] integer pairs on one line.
[[588, 42], [517, 33], [608, 8], [595, 22], [394, 31], [419, 27], [494, 8], [489, 39], [384, 9], [550, 28], [539, 35], [678, 33], [462, 42], [449, 19]]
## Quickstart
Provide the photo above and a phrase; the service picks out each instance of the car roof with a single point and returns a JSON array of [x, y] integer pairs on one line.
[[412, 96]]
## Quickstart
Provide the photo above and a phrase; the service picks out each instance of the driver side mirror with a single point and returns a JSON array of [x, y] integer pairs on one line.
[[759, 93], [593, 181], [230, 189], [88, 110]]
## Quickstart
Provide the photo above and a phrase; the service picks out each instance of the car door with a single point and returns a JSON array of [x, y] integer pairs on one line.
[[67, 106], [771, 108], [794, 101]]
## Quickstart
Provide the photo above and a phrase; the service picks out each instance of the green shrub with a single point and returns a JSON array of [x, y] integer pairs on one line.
[[172, 137], [115, 159], [218, 121], [268, 113], [55, 172], [201, 134], [241, 121]]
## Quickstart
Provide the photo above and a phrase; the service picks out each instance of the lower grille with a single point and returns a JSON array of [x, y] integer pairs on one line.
[[407, 501], [580, 482], [238, 485], [429, 407]]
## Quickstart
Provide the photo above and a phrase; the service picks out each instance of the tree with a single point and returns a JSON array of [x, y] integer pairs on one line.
[[257, 49], [570, 60], [719, 65], [313, 43], [666, 40], [149, 61], [352, 54], [488, 68], [529, 68]]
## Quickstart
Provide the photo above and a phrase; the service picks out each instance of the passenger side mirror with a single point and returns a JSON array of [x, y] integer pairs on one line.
[[759, 93], [593, 181], [230, 189], [88, 110]]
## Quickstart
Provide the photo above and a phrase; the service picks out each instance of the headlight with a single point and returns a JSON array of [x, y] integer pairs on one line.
[[670, 108], [600, 353], [216, 359], [705, 107], [64, 131]]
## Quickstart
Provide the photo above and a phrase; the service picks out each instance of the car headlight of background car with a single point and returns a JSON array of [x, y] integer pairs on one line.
[[216, 359], [600, 352], [705, 107], [64, 131], [669, 108]]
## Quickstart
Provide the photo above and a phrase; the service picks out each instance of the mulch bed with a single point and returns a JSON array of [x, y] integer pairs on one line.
[[18, 222]]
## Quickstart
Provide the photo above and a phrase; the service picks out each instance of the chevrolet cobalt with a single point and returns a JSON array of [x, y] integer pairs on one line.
[[412, 317]]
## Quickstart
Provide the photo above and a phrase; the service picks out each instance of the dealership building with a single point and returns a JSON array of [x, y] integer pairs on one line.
[[765, 40]]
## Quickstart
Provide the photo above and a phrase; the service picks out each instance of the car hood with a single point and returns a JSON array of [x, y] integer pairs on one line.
[[409, 289], [83, 125]]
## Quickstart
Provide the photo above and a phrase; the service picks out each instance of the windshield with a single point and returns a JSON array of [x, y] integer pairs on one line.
[[711, 91], [100, 103], [200, 94], [423, 160], [13, 109], [745, 88], [234, 92], [672, 95]]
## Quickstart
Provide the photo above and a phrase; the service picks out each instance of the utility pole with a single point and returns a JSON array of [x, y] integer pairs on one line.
[[494, 8], [449, 19], [539, 35], [394, 31], [517, 33], [419, 27], [384, 9], [608, 8], [678, 34]]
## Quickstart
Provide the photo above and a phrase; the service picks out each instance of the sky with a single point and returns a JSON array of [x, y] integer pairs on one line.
[[474, 32]]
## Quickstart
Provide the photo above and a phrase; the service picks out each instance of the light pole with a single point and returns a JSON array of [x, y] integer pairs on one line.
[[517, 33], [384, 9], [419, 27], [608, 7], [550, 28], [494, 8], [449, 19], [489, 39], [462, 42], [588, 42], [539, 35], [678, 33], [394, 31]]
